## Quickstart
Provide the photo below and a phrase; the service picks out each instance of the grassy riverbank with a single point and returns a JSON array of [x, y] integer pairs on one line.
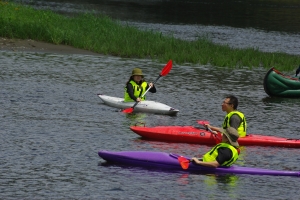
[[106, 36]]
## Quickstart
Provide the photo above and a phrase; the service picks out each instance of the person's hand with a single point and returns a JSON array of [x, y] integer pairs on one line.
[[207, 126], [138, 99], [150, 85], [196, 160]]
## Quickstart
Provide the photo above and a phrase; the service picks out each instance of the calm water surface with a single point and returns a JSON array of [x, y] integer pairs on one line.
[[53, 124]]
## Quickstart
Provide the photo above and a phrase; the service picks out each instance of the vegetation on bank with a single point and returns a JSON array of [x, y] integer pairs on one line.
[[104, 35]]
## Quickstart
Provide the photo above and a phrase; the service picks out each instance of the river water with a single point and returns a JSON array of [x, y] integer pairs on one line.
[[53, 124]]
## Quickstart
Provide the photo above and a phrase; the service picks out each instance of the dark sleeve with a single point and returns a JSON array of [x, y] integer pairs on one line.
[[235, 121], [152, 90], [224, 154], [130, 91]]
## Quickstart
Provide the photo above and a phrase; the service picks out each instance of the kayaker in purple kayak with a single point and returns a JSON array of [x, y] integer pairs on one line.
[[224, 153], [136, 86], [234, 118]]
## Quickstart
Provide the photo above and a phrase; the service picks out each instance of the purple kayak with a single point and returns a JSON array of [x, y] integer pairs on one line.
[[163, 160]]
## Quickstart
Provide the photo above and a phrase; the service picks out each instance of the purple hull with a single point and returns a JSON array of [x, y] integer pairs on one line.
[[170, 161]]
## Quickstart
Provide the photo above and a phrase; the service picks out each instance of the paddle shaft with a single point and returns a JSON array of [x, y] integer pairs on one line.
[[136, 103], [203, 123], [213, 132]]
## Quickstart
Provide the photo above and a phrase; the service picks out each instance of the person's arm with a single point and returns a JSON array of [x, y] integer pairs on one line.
[[235, 121], [206, 164], [224, 154], [130, 92], [152, 89], [214, 128]]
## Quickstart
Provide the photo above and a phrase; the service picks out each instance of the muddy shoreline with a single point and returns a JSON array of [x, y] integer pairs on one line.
[[28, 45]]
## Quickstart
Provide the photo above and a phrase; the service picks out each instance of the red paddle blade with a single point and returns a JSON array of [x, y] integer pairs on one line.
[[202, 122], [166, 69], [183, 162], [128, 110]]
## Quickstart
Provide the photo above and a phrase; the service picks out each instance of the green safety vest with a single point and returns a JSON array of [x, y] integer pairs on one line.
[[243, 126], [213, 153], [138, 91]]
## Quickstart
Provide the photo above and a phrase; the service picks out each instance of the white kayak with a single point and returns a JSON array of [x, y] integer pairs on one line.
[[143, 106]]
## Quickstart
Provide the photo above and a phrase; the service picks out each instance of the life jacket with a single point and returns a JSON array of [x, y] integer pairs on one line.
[[213, 153], [138, 91], [243, 126]]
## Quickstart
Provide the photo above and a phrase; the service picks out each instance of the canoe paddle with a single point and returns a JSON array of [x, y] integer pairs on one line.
[[184, 162], [203, 123], [217, 135], [164, 72]]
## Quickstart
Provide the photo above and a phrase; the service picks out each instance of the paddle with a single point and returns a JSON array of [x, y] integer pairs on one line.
[[217, 135], [164, 72], [184, 162], [203, 123]]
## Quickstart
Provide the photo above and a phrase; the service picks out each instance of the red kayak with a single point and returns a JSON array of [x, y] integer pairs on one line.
[[190, 134]]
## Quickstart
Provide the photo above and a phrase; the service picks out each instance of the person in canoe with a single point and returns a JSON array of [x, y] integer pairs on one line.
[[224, 153], [233, 118], [136, 86], [298, 71]]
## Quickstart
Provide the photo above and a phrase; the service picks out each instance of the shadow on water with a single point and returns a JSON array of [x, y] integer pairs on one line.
[[279, 100], [268, 15], [269, 26]]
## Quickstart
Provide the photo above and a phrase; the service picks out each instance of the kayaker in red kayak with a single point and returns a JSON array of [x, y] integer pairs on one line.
[[224, 153], [234, 118], [136, 86]]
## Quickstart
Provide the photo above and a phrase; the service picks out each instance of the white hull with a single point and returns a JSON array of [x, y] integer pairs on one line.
[[144, 106]]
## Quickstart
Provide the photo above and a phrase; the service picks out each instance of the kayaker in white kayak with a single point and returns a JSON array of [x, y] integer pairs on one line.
[[136, 87], [234, 118], [224, 153]]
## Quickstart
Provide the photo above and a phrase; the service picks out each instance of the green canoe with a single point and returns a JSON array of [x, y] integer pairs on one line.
[[279, 85]]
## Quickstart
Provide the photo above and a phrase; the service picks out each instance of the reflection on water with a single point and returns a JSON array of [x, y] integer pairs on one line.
[[279, 100], [223, 183], [265, 15], [266, 41], [270, 26], [136, 119], [243, 154]]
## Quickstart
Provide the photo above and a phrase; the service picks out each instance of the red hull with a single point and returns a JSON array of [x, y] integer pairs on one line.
[[190, 134]]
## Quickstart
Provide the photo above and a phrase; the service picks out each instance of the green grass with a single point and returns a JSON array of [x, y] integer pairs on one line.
[[104, 35]]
